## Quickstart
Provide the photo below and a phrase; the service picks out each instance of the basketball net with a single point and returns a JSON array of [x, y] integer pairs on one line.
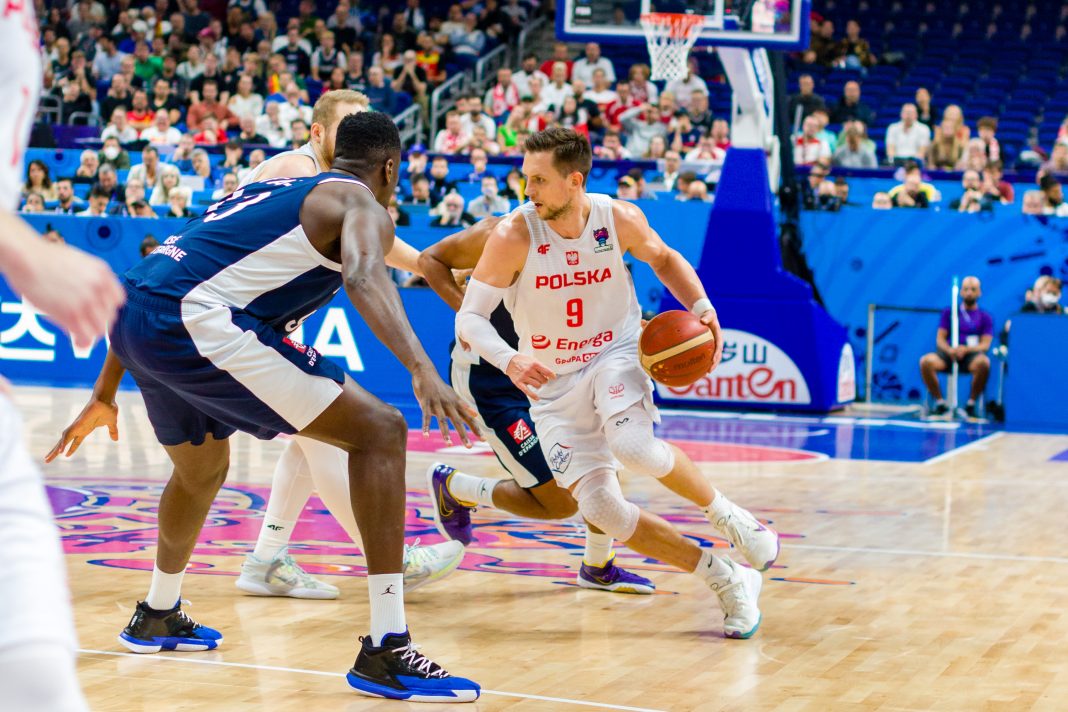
[[670, 37]]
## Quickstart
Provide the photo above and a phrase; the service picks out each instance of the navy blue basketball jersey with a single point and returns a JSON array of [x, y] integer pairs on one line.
[[248, 252]]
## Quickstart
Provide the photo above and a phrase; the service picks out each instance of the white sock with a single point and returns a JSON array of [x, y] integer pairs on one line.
[[598, 549], [386, 592], [329, 468], [471, 490], [273, 538], [711, 569], [165, 590], [718, 507], [291, 486]]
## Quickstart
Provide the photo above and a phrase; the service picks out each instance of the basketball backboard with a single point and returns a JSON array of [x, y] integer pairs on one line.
[[773, 24]]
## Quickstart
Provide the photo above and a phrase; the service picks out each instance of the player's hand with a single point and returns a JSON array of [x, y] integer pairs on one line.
[[711, 320], [528, 375], [439, 401], [96, 414], [76, 290]]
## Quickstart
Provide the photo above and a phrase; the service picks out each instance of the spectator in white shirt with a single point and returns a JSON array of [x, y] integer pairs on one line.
[[683, 88], [292, 108], [161, 131], [558, 89], [809, 147], [472, 116], [452, 138], [529, 69], [583, 68], [908, 139], [601, 93], [271, 127], [490, 202], [245, 102], [98, 203], [119, 127]]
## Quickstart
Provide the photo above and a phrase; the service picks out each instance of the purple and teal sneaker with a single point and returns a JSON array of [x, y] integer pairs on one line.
[[613, 578], [452, 518]]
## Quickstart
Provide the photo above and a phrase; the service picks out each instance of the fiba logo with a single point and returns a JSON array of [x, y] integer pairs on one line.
[[540, 341]]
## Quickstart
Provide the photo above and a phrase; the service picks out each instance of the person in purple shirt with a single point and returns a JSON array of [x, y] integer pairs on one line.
[[976, 329]]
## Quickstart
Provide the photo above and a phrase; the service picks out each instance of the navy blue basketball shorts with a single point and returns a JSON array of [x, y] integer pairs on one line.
[[504, 414], [213, 369]]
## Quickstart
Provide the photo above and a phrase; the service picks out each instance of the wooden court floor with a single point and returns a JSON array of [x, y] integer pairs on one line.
[[901, 586]]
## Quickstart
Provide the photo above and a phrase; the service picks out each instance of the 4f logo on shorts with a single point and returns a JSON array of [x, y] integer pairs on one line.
[[601, 236], [559, 458], [519, 431], [572, 258]]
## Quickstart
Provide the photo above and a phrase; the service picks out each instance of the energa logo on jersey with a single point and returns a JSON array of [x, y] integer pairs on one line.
[[753, 370]]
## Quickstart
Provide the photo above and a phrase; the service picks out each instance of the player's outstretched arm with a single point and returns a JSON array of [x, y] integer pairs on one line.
[[100, 412], [502, 260], [641, 240], [365, 234], [459, 251], [403, 256]]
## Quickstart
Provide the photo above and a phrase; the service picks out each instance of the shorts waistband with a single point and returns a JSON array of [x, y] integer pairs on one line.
[[166, 305]]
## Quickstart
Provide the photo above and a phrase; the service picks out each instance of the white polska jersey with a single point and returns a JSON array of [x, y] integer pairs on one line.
[[20, 85], [574, 297], [305, 150]]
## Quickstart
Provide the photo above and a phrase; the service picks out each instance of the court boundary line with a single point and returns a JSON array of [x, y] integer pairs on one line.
[[967, 447], [321, 673], [937, 554]]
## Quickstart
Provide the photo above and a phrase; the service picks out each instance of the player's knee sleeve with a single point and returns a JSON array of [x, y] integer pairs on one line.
[[631, 440], [601, 502]]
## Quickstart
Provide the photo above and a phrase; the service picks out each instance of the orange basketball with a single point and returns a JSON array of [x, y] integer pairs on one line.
[[676, 349]]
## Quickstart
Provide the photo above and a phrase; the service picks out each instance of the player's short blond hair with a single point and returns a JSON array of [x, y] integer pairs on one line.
[[325, 110]]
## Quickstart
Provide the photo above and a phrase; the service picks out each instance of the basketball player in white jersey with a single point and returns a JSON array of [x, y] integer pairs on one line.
[[557, 264], [305, 464], [81, 295]]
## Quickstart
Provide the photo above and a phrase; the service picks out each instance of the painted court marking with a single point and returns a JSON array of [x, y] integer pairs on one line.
[[321, 673], [937, 554], [984, 441]]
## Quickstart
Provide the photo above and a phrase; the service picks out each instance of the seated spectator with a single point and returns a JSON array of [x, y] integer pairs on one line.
[[987, 128], [140, 115], [209, 105], [479, 163], [825, 134], [657, 148], [823, 43], [270, 126], [517, 18], [624, 101], [113, 154], [490, 202], [411, 79], [913, 193], [182, 156], [503, 96], [855, 151], [907, 139], [626, 189], [119, 128], [210, 133], [161, 100], [135, 191], [420, 192], [480, 139], [841, 191], [229, 185], [528, 69], [87, 169], [706, 150], [976, 330], [601, 92], [39, 180], [644, 191], [683, 135], [355, 74], [1044, 297], [805, 100], [471, 115], [119, 96], [515, 186], [294, 107], [853, 51], [809, 147], [1058, 160], [1034, 203], [148, 244], [682, 184], [178, 200], [67, 202], [168, 181], [108, 180], [416, 162], [76, 101], [452, 138], [148, 170], [671, 163], [995, 186], [161, 132], [558, 89], [98, 203], [720, 133], [973, 199], [583, 69], [234, 159], [379, 93], [453, 214], [925, 112], [327, 56], [572, 116], [245, 102], [974, 158], [642, 123], [471, 41], [400, 218], [299, 133], [697, 190], [440, 185], [141, 209], [388, 56], [881, 201], [612, 148], [1054, 195], [946, 149], [560, 54], [641, 89], [203, 170], [684, 88], [34, 203], [850, 106], [249, 134]]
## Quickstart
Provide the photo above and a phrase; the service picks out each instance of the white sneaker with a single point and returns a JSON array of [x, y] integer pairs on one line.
[[426, 564], [759, 544], [282, 576], [738, 595]]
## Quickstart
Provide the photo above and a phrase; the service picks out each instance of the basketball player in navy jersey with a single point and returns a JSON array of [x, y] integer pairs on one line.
[[504, 412], [203, 335]]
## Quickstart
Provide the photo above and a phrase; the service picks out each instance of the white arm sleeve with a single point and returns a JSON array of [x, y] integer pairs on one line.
[[473, 324]]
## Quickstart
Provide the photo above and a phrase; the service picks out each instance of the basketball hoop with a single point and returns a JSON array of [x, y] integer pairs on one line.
[[670, 37]]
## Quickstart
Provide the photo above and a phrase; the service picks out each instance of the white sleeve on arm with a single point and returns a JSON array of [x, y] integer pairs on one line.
[[473, 324]]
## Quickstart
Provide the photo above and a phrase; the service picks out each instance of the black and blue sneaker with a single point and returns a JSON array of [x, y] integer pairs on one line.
[[151, 631], [397, 672]]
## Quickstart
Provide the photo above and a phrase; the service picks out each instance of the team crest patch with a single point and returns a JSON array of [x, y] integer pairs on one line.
[[559, 458], [572, 258], [601, 236]]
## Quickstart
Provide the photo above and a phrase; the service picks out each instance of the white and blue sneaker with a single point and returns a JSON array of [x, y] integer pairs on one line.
[[282, 576], [151, 631], [396, 671]]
